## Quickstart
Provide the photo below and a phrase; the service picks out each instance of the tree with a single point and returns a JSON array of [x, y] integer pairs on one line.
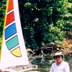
[[43, 21]]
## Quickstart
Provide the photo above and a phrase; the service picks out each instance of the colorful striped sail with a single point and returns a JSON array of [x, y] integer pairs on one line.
[[13, 48]]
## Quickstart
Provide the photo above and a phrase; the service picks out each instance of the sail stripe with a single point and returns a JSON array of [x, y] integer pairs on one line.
[[10, 5], [12, 43], [10, 18], [9, 31]]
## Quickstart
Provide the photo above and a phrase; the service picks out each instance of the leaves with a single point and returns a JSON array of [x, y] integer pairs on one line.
[[43, 21], [2, 14], [48, 20]]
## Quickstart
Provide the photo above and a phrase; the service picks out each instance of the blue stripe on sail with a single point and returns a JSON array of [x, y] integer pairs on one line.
[[9, 31]]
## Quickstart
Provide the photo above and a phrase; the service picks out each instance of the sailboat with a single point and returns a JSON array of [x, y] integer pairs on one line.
[[13, 50]]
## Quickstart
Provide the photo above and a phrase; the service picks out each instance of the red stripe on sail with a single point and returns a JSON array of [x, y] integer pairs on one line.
[[10, 18]]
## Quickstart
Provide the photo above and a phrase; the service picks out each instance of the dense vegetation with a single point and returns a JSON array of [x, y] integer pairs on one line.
[[43, 21], [2, 14]]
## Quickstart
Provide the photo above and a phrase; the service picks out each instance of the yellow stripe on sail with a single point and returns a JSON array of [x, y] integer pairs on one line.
[[16, 52]]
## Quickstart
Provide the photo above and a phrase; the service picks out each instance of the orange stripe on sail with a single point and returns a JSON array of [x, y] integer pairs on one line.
[[10, 5]]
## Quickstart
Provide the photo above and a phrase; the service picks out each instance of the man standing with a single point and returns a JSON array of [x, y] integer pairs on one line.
[[59, 65]]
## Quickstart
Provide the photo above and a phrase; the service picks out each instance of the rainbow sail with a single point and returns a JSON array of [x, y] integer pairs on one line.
[[13, 48]]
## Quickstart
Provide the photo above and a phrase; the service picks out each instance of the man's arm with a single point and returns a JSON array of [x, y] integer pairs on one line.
[[66, 68], [51, 69]]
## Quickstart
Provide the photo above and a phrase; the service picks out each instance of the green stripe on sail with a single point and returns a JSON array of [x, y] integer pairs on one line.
[[12, 42]]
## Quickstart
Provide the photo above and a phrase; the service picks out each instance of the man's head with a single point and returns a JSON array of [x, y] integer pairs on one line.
[[58, 56]]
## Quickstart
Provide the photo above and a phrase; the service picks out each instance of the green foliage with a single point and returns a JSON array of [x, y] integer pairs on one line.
[[43, 21], [69, 15], [2, 14], [70, 1]]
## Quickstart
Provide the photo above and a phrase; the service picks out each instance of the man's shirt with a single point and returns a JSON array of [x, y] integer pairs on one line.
[[63, 67]]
